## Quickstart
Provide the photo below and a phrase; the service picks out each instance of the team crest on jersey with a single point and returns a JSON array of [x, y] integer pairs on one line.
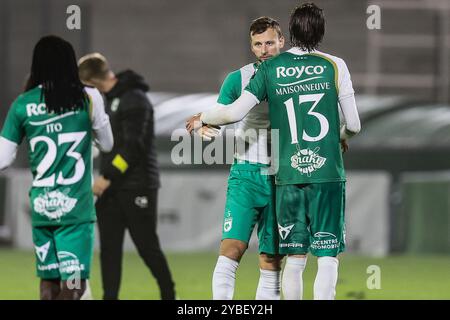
[[306, 161], [228, 224], [54, 204]]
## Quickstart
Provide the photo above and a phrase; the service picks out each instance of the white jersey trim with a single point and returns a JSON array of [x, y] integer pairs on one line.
[[344, 80], [257, 119]]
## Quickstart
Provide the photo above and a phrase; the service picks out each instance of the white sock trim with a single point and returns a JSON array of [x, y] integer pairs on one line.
[[297, 261], [332, 261], [226, 260]]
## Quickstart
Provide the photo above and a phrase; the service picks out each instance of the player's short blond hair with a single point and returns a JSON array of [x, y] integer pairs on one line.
[[93, 66]]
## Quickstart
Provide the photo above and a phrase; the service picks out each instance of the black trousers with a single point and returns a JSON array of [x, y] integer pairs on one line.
[[135, 210]]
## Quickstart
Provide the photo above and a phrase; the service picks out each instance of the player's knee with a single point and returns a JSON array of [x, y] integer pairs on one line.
[[49, 289], [72, 292], [234, 253], [233, 249], [47, 294], [297, 255], [270, 261]]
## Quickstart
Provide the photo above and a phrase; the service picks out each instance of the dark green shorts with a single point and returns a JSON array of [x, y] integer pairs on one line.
[[64, 252], [311, 218], [251, 201]]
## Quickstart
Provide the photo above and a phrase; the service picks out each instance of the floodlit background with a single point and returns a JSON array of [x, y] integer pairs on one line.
[[398, 168]]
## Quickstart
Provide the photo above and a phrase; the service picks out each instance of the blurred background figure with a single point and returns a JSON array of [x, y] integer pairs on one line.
[[129, 180]]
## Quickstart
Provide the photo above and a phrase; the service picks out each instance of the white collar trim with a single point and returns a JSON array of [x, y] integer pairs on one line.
[[297, 51]]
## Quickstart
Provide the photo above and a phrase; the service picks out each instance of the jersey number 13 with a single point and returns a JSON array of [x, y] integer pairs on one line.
[[324, 125]]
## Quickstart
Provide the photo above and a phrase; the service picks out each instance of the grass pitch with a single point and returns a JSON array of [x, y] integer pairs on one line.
[[402, 277]]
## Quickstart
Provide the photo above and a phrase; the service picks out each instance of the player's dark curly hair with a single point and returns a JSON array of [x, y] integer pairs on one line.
[[54, 66], [307, 27]]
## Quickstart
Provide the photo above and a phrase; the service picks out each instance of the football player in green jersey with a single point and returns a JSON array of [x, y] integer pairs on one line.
[[250, 194], [304, 88], [59, 118]]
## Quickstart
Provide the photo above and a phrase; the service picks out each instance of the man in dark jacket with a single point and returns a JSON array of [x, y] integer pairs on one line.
[[128, 185]]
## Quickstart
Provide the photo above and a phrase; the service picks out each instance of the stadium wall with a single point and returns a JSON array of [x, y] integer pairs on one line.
[[191, 210], [189, 46]]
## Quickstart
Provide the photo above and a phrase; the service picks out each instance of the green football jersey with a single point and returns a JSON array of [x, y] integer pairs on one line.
[[252, 133], [59, 153], [302, 92]]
